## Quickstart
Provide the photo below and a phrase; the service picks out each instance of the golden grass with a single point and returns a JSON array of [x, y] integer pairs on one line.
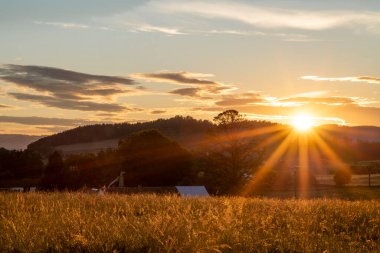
[[79, 222]]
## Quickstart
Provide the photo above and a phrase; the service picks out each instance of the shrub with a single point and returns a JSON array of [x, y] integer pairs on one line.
[[342, 176]]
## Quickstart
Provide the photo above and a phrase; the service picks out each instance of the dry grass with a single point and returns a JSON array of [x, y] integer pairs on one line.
[[78, 222]]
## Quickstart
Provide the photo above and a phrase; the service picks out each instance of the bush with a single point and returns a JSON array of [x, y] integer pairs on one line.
[[342, 176]]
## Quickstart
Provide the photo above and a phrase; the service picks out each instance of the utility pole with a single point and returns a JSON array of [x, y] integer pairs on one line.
[[295, 181], [369, 175]]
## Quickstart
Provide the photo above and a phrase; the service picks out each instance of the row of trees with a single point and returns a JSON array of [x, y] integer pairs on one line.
[[20, 164]]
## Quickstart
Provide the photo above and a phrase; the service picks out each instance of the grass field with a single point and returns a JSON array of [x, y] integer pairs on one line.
[[327, 192], [78, 222]]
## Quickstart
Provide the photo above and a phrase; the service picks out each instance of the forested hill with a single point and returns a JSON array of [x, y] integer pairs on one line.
[[185, 130], [179, 128]]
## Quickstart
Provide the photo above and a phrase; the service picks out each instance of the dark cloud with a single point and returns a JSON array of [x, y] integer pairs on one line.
[[240, 99], [69, 104], [67, 89], [157, 112], [43, 121]]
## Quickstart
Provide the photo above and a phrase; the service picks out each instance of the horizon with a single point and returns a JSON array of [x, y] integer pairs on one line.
[[67, 64]]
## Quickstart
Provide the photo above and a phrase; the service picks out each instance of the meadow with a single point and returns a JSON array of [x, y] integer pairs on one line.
[[80, 222]]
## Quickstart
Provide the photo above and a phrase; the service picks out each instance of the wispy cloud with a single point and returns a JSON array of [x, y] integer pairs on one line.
[[196, 80], [324, 100], [160, 29], [65, 25], [358, 79], [176, 77], [270, 18], [240, 99], [158, 112]]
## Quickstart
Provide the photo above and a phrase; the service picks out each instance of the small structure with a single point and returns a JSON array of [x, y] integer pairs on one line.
[[192, 191], [184, 191]]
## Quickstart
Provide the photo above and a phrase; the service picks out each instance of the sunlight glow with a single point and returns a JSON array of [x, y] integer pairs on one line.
[[302, 122]]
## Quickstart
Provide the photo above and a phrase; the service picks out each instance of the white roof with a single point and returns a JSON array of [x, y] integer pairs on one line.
[[192, 191]]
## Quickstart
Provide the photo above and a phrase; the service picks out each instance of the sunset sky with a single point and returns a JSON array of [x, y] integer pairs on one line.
[[69, 63]]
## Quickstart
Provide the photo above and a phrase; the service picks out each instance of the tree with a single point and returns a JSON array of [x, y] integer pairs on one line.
[[342, 176], [231, 156], [151, 159], [228, 118], [54, 172], [19, 164]]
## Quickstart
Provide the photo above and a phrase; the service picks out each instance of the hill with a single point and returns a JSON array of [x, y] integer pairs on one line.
[[185, 130], [355, 133], [17, 141]]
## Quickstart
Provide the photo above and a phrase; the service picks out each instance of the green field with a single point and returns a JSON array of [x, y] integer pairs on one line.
[[79, 222]]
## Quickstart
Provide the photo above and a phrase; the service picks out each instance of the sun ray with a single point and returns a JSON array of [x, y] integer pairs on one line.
[[269, 164], [274, 138], [329, 152], [303, 165]]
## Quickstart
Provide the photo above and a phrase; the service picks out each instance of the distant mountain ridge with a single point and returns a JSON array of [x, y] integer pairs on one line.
[[17, 141]]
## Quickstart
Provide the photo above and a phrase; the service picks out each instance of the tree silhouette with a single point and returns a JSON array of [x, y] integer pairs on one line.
[[151, 159], [54, 172], [230, 154]]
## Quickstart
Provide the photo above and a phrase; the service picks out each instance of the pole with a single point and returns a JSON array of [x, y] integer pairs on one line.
[[295, 181], [369, 176]]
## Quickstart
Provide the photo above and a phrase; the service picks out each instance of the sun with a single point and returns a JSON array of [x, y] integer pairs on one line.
[[302, 122]]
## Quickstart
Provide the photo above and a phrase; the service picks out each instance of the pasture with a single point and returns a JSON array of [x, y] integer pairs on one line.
[[79, 222]]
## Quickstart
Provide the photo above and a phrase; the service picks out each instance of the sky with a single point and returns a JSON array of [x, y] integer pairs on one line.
[[70, 63]]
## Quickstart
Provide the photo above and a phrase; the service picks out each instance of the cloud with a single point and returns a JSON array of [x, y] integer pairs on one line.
[[43, 121], [54, 129], [68, 103], [175, 77], [270, 17], [158, 112], [359, 79], [186, 78], [3, 106], [106, 114], [322, 100], [160, 29], [66, 89], [65, 25], [240, 99], [191, 92]]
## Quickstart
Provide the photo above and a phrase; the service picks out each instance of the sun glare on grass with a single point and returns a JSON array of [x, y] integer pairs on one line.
[[302, 122]]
